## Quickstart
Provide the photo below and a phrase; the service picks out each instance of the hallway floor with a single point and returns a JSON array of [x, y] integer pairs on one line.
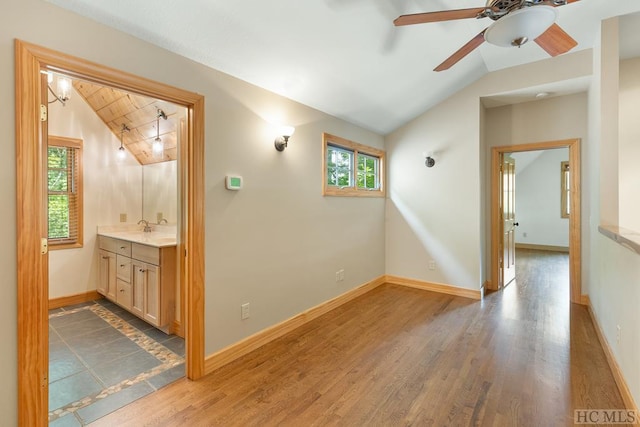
[[101, 358], [523, 356]]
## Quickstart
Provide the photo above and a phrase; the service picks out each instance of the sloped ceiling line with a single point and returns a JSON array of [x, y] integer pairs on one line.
[[139, 113]]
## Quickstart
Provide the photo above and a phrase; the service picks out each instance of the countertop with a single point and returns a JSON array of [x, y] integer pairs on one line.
[[160, 237]]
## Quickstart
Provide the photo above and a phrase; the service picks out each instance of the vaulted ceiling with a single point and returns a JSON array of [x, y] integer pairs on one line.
[[140, 116], [343, 57]]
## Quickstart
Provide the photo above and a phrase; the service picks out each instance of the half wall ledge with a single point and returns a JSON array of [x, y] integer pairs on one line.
[[628, 238]]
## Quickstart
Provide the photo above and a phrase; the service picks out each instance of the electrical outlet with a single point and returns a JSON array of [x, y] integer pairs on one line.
[[123, 217], [337, 276], [244, 311], [432, 265], [618, 331], [524, 234], [340, 275]]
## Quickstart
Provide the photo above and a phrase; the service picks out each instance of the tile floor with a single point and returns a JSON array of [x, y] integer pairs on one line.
[[101, 358]]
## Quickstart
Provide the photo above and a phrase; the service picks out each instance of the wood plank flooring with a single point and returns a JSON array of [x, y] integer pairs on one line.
[[400, 356]]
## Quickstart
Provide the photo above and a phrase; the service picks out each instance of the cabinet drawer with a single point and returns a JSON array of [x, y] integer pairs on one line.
[[110, 244], [124, 295], [123, 268], [146, 253]]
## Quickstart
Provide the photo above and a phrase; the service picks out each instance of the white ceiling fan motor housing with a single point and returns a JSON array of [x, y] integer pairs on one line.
[[520, 26]]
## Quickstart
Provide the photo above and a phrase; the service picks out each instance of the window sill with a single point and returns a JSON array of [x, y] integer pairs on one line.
[[350, 192], [628, 238]]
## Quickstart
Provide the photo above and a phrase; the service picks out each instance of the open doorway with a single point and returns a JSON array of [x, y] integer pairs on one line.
[[115, 318], [498, 231], [541, 231], [32, 63]]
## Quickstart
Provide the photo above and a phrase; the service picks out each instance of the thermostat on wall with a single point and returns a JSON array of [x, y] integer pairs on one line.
[[233, 182]]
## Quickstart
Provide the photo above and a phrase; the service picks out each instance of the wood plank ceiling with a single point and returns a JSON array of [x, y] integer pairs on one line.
[[139, 113]]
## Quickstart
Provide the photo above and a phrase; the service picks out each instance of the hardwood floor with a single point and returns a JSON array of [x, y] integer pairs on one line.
[[401, 356]]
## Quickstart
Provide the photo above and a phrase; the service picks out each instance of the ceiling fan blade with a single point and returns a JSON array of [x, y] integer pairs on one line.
[[555, 41], [462, 52], [445, 15]]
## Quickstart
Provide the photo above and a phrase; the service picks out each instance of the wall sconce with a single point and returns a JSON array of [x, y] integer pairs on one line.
[[429, 161], [63, 86], [281, 141], [158, 146], [121, 151]]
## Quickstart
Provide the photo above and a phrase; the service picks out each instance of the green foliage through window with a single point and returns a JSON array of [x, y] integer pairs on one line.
[[64, 191], [339, 166], [352, 169], [58, 183]]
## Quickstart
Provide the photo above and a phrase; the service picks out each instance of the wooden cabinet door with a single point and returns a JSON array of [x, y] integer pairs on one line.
[[152, 296], [139, 284], [107, 281]]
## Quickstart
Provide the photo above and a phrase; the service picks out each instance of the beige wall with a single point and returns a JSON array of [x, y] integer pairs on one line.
[[440, 213], [629, 145], [613, 271], [551, 119], [275, 244]]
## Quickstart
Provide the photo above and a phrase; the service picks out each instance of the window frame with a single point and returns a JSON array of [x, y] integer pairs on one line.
[[355, 148], [76, 145], [565, 189]]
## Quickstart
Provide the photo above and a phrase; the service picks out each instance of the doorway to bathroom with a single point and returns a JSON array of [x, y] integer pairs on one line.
[[115, 318], [32, 64]]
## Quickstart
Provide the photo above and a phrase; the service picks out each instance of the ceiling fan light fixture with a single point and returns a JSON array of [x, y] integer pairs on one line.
[[520, 26]]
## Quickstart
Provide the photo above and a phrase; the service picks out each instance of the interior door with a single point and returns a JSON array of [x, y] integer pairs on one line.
[[508, 172]]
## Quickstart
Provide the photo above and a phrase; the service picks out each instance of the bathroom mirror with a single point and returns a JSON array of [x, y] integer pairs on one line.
[[160, 192]]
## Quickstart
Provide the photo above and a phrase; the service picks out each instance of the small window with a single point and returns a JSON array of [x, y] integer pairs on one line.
[[565, 188], [64, 188], [351, 169]]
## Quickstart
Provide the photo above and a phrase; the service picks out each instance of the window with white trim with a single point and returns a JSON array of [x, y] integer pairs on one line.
[[351, 169]]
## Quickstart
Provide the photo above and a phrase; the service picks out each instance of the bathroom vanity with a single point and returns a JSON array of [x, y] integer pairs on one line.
[[138, 272]]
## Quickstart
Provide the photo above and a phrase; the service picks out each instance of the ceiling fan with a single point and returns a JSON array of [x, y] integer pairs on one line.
[[515, 23]]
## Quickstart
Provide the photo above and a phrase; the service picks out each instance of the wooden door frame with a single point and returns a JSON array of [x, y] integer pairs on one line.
[[32, 270], [575, 249]]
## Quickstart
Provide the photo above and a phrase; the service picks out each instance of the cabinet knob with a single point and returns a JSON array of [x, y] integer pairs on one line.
[[141, 270], [121, 265], [121, 290], [123, 247], [105, 257]]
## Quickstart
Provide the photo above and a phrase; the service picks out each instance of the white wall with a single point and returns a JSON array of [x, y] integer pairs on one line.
[[111, 186], [275, 244], [629, 145], [538, 200]]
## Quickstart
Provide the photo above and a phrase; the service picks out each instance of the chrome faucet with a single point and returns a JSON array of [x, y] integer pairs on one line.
[[147, 227]]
